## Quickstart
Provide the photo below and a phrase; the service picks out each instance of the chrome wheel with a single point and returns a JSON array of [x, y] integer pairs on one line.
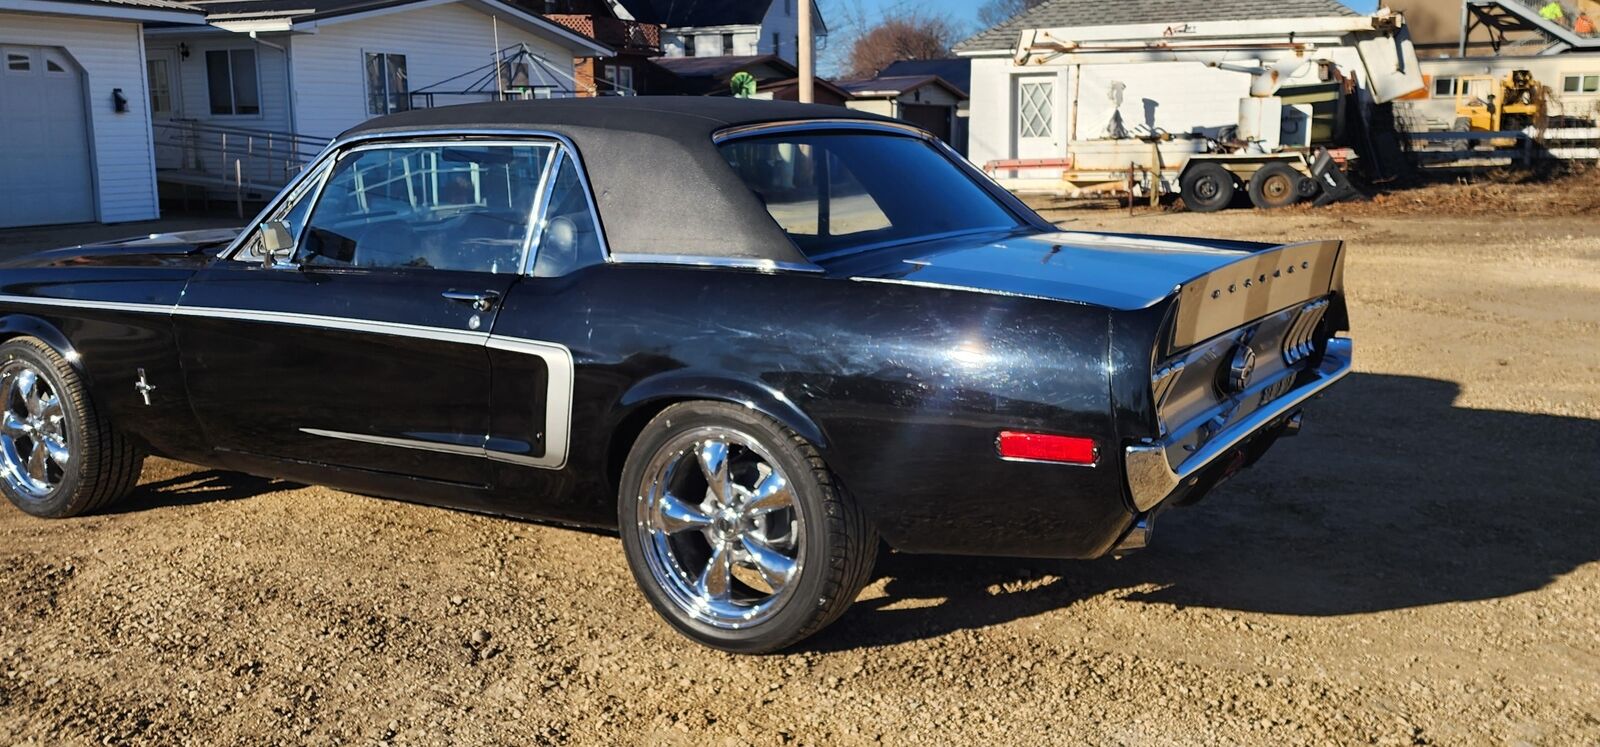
[[34, 451], [721, 529]]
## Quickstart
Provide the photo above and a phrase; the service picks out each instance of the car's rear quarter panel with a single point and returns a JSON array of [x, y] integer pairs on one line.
[[904, 387]]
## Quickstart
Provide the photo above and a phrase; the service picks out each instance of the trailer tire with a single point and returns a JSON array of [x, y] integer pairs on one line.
[[1207, 188], [1275, 186]]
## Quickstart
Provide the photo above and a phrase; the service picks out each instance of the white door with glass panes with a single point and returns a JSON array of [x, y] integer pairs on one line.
[[1038, 133], [161, 69]]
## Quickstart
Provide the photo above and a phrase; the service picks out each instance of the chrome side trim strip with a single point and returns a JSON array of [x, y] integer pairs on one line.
[[558, 401], [558, 359], [399, 443], [1151, 476], [137, 308]]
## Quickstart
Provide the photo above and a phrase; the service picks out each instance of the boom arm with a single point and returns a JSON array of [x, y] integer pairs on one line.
[[1269, 51]]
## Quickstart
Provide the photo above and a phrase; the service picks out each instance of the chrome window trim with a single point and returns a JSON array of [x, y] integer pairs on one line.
[[558, 359], [340, 145], [534, 209], [813, 125], [699, 260]]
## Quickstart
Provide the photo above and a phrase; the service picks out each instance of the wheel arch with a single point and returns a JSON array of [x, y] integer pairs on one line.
[[648, 398], [13, 326]]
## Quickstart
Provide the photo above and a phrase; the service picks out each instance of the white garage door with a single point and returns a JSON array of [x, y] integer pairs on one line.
[[45, 156]]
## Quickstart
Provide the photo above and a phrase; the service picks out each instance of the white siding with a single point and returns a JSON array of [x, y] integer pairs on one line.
[[1179, 97], [783, 19], [194, 100], [110, 54], [1174, 96], [990, 137], [439, 42]]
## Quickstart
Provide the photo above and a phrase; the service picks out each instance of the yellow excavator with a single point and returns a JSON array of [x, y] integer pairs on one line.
[[1515, 102]]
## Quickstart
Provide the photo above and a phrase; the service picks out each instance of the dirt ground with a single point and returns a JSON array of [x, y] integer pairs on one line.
[[1422, 566]]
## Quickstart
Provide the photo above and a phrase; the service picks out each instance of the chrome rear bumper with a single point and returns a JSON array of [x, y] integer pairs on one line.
[[1152, 478]]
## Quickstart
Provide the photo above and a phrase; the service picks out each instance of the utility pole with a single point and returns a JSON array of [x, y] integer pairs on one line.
[[808, 57]]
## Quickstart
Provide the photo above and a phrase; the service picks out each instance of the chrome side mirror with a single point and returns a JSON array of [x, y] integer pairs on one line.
[[277, 243]]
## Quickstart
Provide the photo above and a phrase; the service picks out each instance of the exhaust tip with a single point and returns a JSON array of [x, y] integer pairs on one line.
[[1138, 538], [1291, 426]]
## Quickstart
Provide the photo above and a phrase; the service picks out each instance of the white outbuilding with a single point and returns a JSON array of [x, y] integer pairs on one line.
[[75, 139]]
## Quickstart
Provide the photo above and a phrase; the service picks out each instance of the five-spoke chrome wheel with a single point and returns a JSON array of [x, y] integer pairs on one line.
[[34, 448], [722, 531]]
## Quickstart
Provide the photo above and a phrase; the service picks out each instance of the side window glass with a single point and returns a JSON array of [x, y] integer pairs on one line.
[[571, 237], [293, 211], [460, 207]]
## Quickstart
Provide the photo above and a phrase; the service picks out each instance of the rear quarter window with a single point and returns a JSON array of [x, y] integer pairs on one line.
[[841, 193]]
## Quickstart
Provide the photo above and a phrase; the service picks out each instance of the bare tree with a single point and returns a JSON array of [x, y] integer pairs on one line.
[[995, 12], [911, 35]]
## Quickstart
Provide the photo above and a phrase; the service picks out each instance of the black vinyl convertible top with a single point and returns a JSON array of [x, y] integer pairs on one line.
[[661, 185]]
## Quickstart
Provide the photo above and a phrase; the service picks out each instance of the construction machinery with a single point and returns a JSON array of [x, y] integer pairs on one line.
[[1516, 102], [1291, 142]]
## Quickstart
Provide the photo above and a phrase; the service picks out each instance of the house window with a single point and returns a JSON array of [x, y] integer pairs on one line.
[[18, 62], [619, 79], [1444, 86], [232, 83], [788, 7], [387, 91], [160, 87], [1037, 109], [727, 44], [1581, 84], [688, 46], [777, 43]]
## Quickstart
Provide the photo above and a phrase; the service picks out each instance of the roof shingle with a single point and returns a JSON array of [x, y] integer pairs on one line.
[[1070, 13]]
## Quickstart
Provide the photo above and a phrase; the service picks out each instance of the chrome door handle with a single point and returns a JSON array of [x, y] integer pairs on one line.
[[480, 300]]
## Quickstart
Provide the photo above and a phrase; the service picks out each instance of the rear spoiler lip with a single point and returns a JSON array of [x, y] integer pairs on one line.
[[1255, 286]]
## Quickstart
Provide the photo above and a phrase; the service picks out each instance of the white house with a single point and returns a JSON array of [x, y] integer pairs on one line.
[[1033, 112], [725, 28], [74, 125], [264, 85], [927, 101]]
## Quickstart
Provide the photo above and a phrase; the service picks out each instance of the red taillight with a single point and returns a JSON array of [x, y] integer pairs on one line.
[[1040, 447]]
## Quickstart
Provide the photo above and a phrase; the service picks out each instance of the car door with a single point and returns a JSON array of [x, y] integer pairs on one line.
[[368, 349]]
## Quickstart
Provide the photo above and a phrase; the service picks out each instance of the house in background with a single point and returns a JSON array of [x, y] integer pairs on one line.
[[917, 92], [258, 92], [1500, 36], [776, 78], [74, 120], [628, 72], [1036, 112], [726, 28]]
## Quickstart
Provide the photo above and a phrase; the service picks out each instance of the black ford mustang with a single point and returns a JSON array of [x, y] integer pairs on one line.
[[754, 337]]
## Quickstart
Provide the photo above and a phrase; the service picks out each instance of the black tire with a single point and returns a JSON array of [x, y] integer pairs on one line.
[[104, 465], [839, 544], [1208, 188], [1275, 186]]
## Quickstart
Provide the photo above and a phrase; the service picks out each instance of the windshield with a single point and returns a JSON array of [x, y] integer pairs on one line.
[[846, 192]]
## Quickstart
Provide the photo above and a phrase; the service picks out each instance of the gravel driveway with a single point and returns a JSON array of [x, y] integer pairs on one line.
[[1422, 566]]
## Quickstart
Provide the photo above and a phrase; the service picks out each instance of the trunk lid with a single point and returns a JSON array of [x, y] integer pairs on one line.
[[1120, 272]]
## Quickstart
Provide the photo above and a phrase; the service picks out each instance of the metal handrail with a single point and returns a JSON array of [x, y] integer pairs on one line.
[[270, 158]]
